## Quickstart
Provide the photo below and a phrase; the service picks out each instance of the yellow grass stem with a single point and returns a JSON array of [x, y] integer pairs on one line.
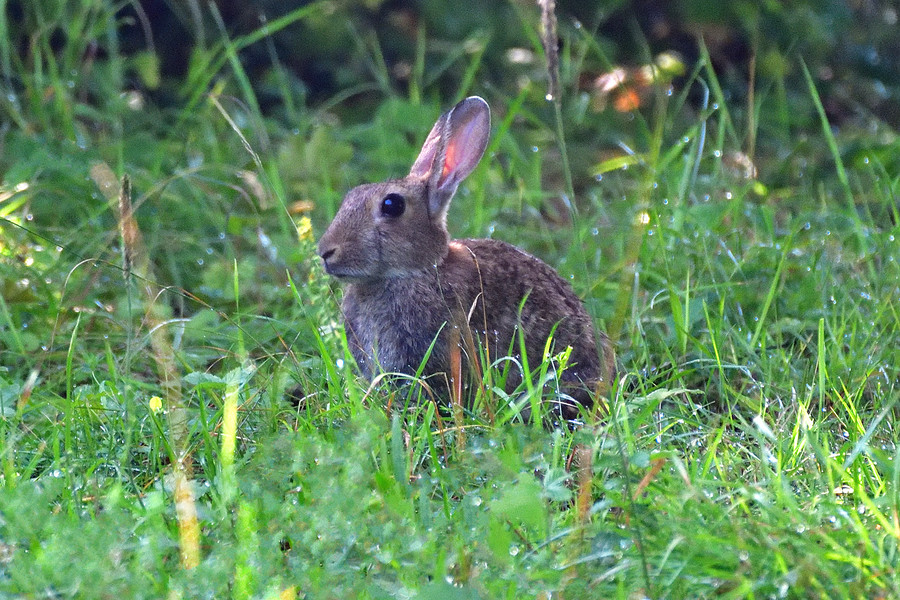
[[136, 269]]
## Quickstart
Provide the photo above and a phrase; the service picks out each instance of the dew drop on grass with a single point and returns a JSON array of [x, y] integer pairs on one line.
[[534, 148], [200, 262], [339, 363], [29, 217], [514, 550], [209, 250], [715, 106], [595, 231], [221, 235], [717, 153], [599, 177]]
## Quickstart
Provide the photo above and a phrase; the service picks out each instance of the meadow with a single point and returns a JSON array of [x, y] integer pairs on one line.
[[180, 416]]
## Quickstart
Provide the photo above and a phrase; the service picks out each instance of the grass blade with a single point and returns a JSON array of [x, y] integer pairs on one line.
[[828, 134]]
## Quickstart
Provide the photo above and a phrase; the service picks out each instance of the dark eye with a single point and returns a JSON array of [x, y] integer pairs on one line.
[[393, 205]]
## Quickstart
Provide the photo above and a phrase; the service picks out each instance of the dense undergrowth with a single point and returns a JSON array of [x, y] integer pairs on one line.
[[179, 414]]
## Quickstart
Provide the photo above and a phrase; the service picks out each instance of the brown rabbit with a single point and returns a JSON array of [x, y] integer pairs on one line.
[[410, 286]]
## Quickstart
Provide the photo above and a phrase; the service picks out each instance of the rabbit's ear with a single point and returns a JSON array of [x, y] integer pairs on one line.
[[422, 167], [452, 150]]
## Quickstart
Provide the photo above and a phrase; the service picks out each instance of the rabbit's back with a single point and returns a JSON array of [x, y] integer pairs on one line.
[[521, 291]]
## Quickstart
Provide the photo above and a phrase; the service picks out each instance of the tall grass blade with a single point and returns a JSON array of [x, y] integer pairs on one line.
[[770, 296], [829, 135], [549, 41]]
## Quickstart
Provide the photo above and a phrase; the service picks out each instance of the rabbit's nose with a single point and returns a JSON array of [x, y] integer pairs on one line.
[[327, 253]]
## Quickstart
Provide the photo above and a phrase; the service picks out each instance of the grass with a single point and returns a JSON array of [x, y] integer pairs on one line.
[[180, 416]]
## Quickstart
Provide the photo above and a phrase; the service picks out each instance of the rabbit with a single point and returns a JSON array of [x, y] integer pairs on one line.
[[410, 288]]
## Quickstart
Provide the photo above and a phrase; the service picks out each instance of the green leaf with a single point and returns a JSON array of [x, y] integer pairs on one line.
[[522, 502], [147, 66], [499, 540], [619, 162]]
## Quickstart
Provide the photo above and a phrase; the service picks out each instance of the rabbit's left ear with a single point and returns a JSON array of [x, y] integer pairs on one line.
[[452, 150]]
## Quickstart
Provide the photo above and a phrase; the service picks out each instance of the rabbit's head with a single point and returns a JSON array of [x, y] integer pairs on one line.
[[393, 228]]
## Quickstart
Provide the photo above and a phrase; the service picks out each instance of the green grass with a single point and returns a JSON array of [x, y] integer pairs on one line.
[[750, 447]]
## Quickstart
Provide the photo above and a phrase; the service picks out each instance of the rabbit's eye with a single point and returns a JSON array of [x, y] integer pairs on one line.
[[393, 205]]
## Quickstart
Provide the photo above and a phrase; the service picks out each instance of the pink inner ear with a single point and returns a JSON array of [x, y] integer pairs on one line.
[[450, 160], [459, 148]]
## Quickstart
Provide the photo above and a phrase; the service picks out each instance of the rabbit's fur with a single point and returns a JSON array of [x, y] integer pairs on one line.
[[409, 286]]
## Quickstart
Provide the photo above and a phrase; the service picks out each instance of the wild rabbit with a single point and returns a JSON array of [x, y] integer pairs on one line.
[[408, 285]]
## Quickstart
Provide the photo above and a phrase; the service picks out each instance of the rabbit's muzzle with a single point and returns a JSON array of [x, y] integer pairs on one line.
[[334, 267], [343, 250]]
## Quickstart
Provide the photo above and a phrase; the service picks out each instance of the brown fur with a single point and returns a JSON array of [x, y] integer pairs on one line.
[[408, 284]]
